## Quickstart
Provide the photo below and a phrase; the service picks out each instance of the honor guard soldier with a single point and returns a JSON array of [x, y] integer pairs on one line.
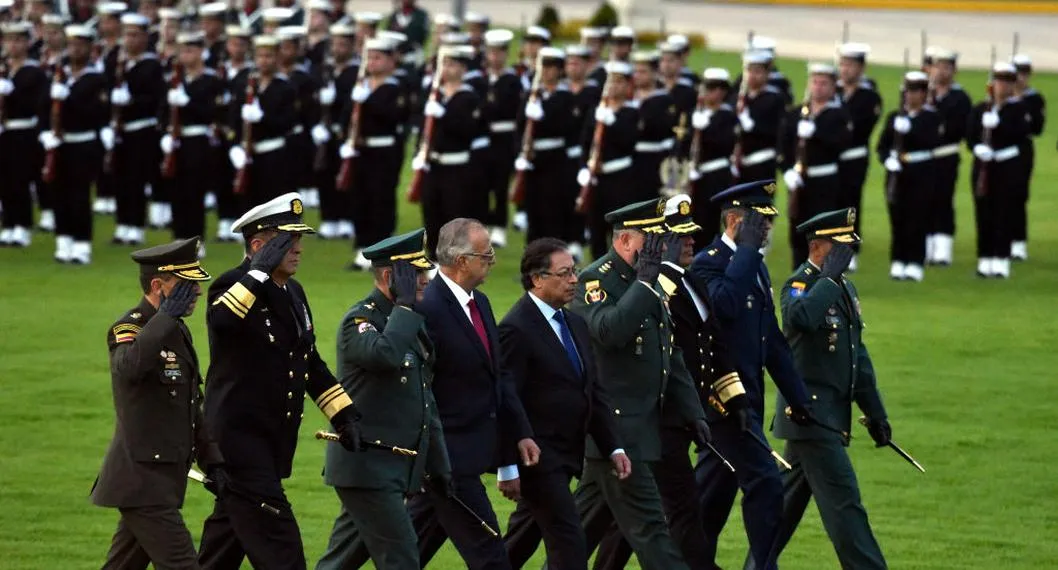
[[195, 102], [622, 41], [502, 102], [134, 160], [263, 361], [1033, 100], [816, 135], [268, 119], [627, 312], [760, 119], [233, 69], [594, 39], [160, 431], [535, 37], [77, 145], [366, 24], [996, 132], [383, 110], [822, 321], [343, 65], [548, 202], [23, 85], [712, 145], [680, 88], [274, 18], [586, 95], [321, 16], [211, 19], [740, 290], [385, 362], [301, 141], [954, 105], [103, 56], [681, 48], [905, 149], [864, 105], [776, 78], [52, 58]]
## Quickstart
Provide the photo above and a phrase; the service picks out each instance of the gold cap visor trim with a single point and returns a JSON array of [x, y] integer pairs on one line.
[[193, 274], [296, 228], [766, 210], [685, 228]]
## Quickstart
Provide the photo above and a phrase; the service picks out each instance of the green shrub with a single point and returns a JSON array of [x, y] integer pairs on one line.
[[549, 18], [604, 17]]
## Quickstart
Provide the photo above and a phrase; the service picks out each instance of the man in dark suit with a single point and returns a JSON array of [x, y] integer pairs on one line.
[[159, 432], [480, 412], [548, 352], [263, 362]]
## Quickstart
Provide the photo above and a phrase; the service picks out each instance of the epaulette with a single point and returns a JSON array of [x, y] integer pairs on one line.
[[591, 82], [633, 104], [392, 81], [771, 89], [605, 267], [685, 81], [127, 331], [956, 87], [712, 252]]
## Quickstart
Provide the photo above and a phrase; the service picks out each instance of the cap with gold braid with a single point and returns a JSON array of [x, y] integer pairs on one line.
[[179, 258], [410, 247], [678, 215], [837, 226], [759, 195], [647, 216], [283, 213]]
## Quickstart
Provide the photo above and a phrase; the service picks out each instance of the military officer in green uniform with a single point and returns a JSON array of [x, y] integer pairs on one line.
[[643, 371], [822, 321], [385, 363]]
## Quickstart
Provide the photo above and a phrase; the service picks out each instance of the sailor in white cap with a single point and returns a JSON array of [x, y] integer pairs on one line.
[[275, 17], [320, 17], [622, 41], [502, 104], [340, 73], [659, 117], [535, 37], [476, 24], [683, 90], [954, 105], [367, 24], [1033, 99], [106, 43], [680, 46], [764, 48], [305, 136], [594, 39], [760, 108], [711, 147], [816, 134], [212, 21]]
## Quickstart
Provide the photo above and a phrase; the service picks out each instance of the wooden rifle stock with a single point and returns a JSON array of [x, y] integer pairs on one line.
[[583, 204], [52, 157], [117, 120], [518, 190], [415, 190], [319, 162], [739, 152], [243, 174], [802, 155], [175, 128], [898, 149], [345, 172], [981, 186]]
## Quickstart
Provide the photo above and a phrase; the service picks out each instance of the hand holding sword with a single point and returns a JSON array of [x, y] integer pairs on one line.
[[884, 440], [330, 436]]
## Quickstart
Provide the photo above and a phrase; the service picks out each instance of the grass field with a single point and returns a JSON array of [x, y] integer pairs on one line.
[[965, 366]]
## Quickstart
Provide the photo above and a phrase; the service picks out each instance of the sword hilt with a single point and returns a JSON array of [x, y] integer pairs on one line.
[[331, 436]]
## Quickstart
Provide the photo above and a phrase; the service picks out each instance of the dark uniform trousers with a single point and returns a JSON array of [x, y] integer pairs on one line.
[[193, 178], [135, 165], [548, 202], [229, 205], [613, 190], [907, 212], [437, 518], [77, 169], [446, 195], [760, 171], [365, 514], [502, 151], [270, 174], [546, 511], [374, 198], [19, 161], [853, 175], [151, 534], [334, 204], [1019, 218], [247, 524], [941, 209]]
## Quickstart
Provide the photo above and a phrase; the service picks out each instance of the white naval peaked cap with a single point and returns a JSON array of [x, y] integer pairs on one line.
[[342, 30], [822, 69], [763, 43], [380, 44], [237, 31], [169, 14], [854, 50], [498, 38], [455, 38], [134, 19], [282, 213], [463, 53], [942, 54], [549, 52], [265, 41], [276, 14], [1003, 68], [446, 20], [53, 19], [191, 38], [396, 38], [537, 32], [321, 5], [289, 33], [717, 74], [645, 56], [6, 5], [619, 67], [475, 18], [370, 18], [22, 28], [623, 33], [591, 33], [678, 40], [112, 8], [1021, 61], [757, 56], [916, 77], [669, 47], [80, 31], [213, 9], [578, 50], [672, 205]]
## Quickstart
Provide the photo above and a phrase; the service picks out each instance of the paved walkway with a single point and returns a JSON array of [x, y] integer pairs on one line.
[[807, 32]]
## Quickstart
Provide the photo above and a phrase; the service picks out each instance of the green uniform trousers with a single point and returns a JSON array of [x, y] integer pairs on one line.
[[378, 520]]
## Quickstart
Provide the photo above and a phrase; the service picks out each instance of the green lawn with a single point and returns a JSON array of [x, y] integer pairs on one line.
[[963, 364]]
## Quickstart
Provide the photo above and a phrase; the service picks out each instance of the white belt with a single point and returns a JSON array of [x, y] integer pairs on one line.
[[758, 157], [1008, 153], [479, 143], [946, 150], [269, 145], [549, 144], [714, 165], [380, 142], [503, 127], [297, 130], [655, 146], [854, 153], [574, 152], [820, 170], [81, 137], [916, 156], [20, 124], [194, 131], [450, 158], [140, 124], [616, 164]]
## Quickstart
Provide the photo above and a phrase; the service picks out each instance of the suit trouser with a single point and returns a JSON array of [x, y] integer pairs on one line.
[[821, 469], [759, 479], [942, 204], [261, 529], [151, 534], [436, 518], [378, 518], [853, 175], [546, 510], [17, 150], [674, 475]]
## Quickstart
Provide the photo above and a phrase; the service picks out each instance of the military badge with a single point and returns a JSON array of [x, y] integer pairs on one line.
[[797, 288], [296, 206], [594, 293], [770, 188], [685, 208], [364, 327]]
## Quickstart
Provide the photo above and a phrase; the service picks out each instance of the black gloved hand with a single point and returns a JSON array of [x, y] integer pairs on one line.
[[837, 261], [673, 248], [801, 414], [738, 409], [880, 432], [271, 254], [347, 423], [217, 481], [751, 231], [403, 284], [441, 484], [179, 299], [648, 260], [700, 433]]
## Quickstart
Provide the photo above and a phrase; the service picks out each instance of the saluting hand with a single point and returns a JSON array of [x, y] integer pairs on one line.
[[177, 303], [751, 231], [404, 284], [837, 261], [648, 260], [272, 253], [673, 248]]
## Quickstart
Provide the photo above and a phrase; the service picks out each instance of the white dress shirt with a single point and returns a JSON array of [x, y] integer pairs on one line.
[[703, 312], [461, 294]]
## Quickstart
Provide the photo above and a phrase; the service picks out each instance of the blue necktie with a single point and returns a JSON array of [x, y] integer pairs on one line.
[[567, 340]]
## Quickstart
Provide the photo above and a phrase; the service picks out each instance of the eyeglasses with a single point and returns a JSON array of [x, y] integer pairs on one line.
[[489, 256], [565, 273]]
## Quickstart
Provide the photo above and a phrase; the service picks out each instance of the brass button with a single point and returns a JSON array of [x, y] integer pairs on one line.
[[291, 373], [403, 379], [302, 416], [427, 406], [617, 411], [291, 355], [288, 415], [306, 376], [763, 338], [157, 456], [814, 397], [290, 395], [306, 356], [832, 348], [423, 426], [703, 367]]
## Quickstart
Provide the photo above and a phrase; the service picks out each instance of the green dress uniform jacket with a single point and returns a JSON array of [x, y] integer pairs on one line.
[[822, 321], [159, 430], [385, 364], [638, 361]]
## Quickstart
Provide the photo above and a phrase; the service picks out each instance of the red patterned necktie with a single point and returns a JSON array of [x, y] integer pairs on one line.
[[479, 325]]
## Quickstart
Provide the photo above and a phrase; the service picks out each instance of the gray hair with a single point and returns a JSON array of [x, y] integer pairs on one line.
[[737, 210], [453, 240]]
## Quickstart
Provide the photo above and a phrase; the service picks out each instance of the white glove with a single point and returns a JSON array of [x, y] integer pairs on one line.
[[237, 156], [59, 91], [434, 109], [178, 97], [793, 179], [605, 115], [106, 136], [346, 151], [522, 163], [120, 96], [252, 113], [693, 174], [6, 86], [320, 135], [805, 129], [892, 164], [583, 177], [419, 162], [746, 120], [327, 94], [361, 93], [700, 119], [984, 152], [990, 119], [48, 140], [534, 111], [166, 143], [902, 125]]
